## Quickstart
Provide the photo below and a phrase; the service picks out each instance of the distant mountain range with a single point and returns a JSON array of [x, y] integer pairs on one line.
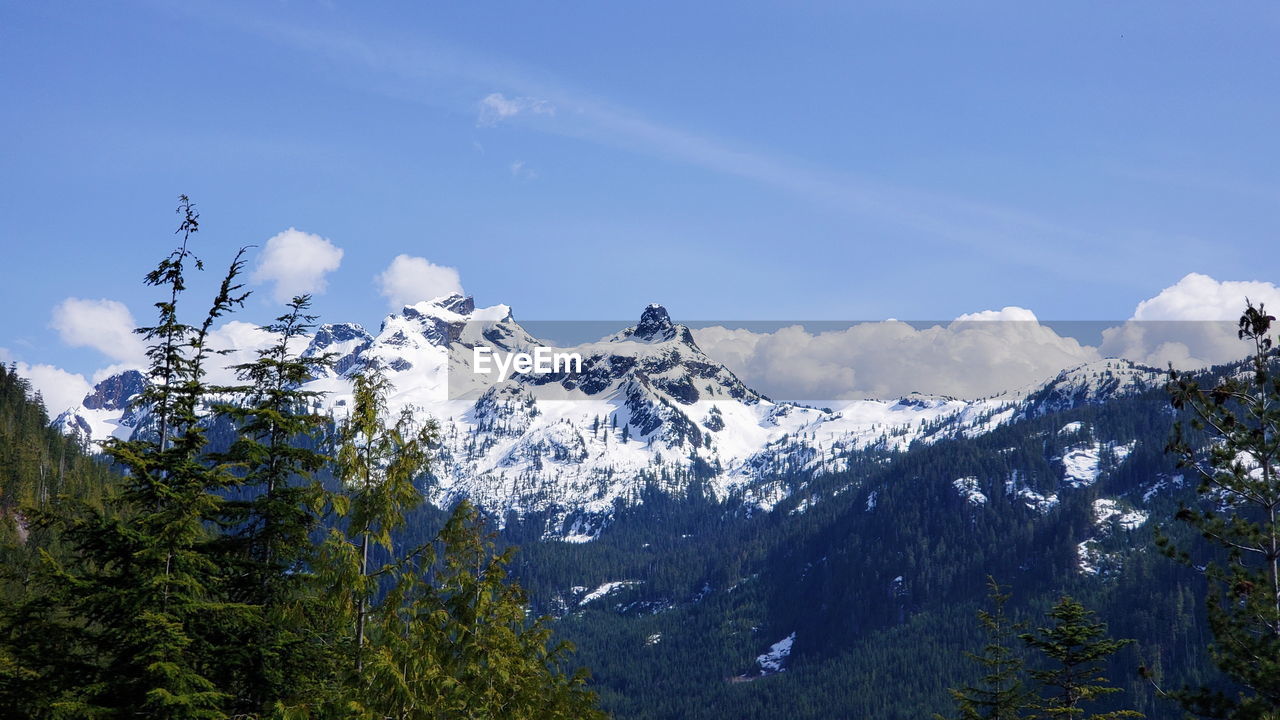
[[649, 406]]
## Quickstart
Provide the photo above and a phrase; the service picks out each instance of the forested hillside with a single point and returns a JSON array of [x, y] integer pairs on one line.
[[203, 568], [37, 462], [872, 576]]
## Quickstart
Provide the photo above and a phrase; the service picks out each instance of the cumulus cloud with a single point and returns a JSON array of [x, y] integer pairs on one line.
[[104, 325], [1200, 297], [1190, 324], [297, 263], [976, 355], [239, 342], [496, 107], [409, 279], [60, 389]]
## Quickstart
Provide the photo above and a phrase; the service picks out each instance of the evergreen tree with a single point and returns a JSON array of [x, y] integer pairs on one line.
[[1002, 693], [377, 464], [268, 527], [42, 649], [143, 591], [193, 585], [451, 640], [1076, 649], [1237, 469], [436, 632]]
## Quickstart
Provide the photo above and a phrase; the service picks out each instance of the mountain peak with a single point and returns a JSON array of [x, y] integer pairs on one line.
[[453, 303], [456, 302], [653, 321], [115, 392]]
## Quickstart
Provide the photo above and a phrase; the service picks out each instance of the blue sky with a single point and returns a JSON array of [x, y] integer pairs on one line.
[[579, 160]]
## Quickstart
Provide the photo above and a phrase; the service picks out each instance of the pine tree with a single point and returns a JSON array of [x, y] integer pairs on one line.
[[268, 527], [42, 649], [142, 591], [1237, 469], [1076, 649], [1002, 694]]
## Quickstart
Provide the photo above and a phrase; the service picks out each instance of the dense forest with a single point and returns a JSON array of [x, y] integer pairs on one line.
[[172, 577], [241, 556]]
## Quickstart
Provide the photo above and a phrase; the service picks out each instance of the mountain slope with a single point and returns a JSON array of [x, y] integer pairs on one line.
[[648, 407]]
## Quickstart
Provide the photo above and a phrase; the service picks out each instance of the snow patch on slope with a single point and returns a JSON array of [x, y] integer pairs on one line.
[[772, 661], [967, 487], [606, 589]]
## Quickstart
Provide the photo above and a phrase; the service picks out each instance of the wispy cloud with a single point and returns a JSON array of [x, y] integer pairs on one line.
[[451, 78], [522, 171], [496, 107]]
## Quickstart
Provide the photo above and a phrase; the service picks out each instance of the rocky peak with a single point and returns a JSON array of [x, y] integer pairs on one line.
[[345, 341], [333, 334], [452, 304], [115, 392], [456, 302], [655, 326], [653, 320]]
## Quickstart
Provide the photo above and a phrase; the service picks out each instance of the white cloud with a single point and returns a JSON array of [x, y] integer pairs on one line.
[[1006, 314], [977, 355], [408, 280], [1200, 297], [496, 107], [60, 389], [1191, 324], [520, 170], [297, 263], [104, 325], [240, 342]]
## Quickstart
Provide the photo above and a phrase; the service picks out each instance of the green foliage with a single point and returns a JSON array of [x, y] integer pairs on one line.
[[199, 584], [451, 640], [1002, 694], [266, 543], [1239, 517], [377, 464], [139, 600], [38, 465], [1075, 648]]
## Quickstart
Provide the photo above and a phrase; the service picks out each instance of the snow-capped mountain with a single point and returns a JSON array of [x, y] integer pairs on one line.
[[108, 411], [647, 408]]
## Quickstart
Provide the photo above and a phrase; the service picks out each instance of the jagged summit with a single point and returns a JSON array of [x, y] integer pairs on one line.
[[342, 342], [655, 326], [456, 303], [107, 410], [653, 320], [115, 392]]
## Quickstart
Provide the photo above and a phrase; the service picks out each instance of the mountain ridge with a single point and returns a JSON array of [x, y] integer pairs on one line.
[[647, 407]]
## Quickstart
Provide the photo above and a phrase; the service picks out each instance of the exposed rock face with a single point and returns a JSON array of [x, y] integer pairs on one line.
[[115, 392]]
